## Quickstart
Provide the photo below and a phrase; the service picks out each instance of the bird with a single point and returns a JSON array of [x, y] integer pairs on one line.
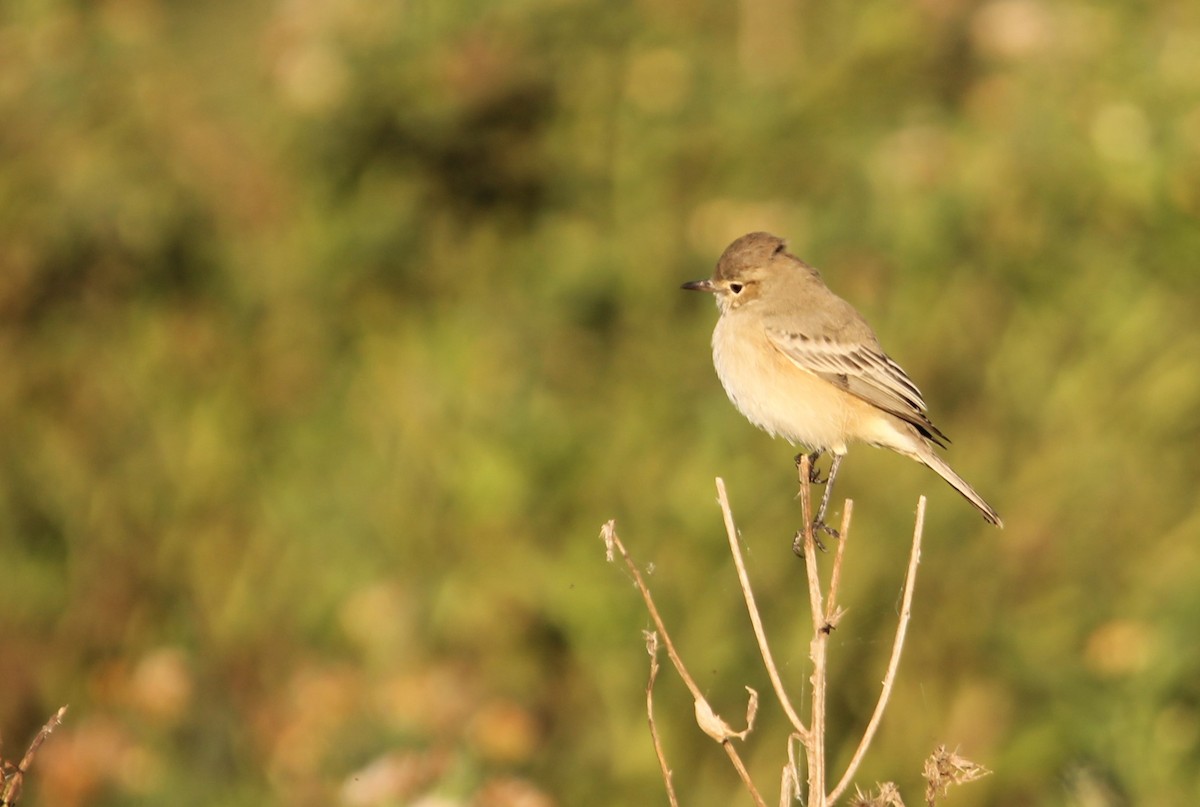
[[801, 363]]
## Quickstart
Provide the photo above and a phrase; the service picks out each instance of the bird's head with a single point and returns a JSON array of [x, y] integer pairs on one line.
[[743, 269]]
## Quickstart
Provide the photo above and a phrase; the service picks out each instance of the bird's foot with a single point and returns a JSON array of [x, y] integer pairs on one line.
[[818, 527], [821, 526], [814, 474]]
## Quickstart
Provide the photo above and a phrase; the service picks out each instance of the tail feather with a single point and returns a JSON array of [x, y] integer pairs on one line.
[[929, 458]]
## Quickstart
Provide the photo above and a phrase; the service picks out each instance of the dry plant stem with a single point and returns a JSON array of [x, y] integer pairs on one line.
[[814, 743], [736, 759], [609, 533], [787, 786], [755, 620], [791, 774], [823, 624], [810, 543], [894, 662], [14, 775], [835, 578], [652, 649]]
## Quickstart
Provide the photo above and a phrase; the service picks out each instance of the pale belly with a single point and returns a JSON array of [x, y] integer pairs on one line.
[[779, 397]]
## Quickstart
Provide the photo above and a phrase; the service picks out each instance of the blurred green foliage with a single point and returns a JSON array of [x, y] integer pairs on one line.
[[332, 330]]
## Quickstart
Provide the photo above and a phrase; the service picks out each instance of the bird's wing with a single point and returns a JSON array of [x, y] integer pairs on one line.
[[862, 370]]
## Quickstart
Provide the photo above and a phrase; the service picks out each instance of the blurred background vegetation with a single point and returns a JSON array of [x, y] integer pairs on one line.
[[332, 330]]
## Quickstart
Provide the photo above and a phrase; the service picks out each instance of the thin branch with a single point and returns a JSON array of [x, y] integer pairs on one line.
[[652, 649], [787, 786], [810, 543], [832, 613], [825, 618], [609, 533], [889, 679], [742, 772], [755, 620], [815, 742], [790, 790], [14, 775]]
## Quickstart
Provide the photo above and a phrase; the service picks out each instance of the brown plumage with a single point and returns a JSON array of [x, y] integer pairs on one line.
[[799, 362]]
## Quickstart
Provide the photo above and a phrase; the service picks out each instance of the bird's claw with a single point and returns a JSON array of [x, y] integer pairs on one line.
[[798, 540], [821, 526], [814, 473]]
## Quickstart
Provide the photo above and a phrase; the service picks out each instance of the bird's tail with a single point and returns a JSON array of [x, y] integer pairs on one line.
[[958, 483]]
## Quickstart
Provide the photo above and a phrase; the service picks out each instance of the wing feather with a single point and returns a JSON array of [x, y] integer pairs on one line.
[[862, 370]]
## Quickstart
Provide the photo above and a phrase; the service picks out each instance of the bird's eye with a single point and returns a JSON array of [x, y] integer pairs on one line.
[[736, 288]]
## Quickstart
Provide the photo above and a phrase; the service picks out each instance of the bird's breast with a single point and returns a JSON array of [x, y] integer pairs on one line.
[[774, 393]]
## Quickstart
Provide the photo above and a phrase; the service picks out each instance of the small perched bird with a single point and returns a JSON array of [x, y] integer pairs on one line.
[[799, 362]]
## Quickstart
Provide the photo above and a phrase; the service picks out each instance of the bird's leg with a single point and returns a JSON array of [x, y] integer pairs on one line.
[[798, 542], [814, 475], [819, 522], [814, 478]]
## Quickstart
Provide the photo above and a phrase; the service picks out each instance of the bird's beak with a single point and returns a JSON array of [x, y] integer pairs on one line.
[[699, 285]]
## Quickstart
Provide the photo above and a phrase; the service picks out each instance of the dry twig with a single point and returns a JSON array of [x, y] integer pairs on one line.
[[652, 649], [14, 775], [760, 634], [942, 769], [889, 678], [718, 730], [814, 745]]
